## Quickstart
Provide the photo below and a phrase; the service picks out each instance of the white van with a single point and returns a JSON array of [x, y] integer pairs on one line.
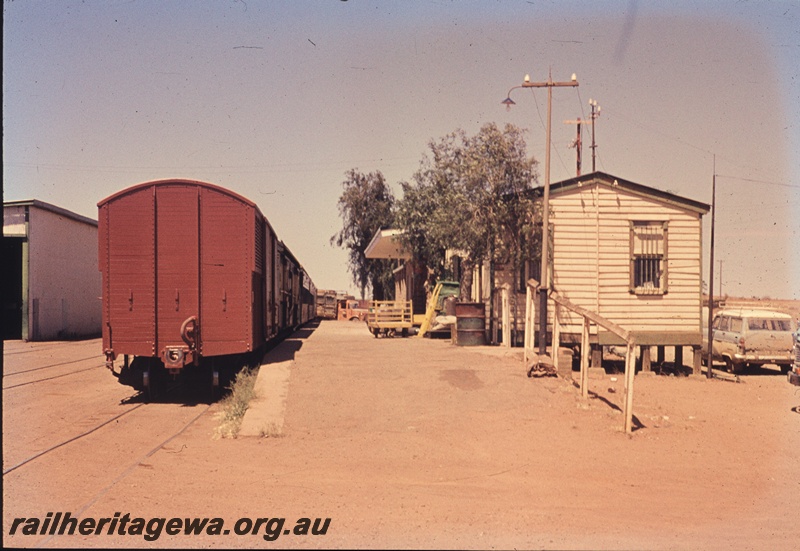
[[749, 337], [794, 374]]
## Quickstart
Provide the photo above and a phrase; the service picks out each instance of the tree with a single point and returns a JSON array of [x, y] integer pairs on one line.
[[366, 205], [472, 194]]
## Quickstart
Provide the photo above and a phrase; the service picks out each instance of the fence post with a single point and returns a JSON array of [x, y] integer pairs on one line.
[[529, 317], [630, 371], [506, 305], [585, 358], [556, 334]]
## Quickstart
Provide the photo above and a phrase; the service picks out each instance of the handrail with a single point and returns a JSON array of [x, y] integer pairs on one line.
[[624, 334], [587, 315]]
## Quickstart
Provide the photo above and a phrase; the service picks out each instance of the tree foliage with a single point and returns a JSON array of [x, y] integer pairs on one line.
[[471, 193], [366, 205]]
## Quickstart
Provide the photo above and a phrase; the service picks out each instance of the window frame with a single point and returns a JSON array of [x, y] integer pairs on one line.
[[636, 258]]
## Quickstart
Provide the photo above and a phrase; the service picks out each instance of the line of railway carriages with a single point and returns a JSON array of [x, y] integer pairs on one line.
[[194, 281]]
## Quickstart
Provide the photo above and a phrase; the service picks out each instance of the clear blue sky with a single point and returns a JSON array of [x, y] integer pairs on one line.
[[276, 100]]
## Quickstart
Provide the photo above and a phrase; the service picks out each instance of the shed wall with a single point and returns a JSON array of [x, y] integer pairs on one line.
[[63, 281]]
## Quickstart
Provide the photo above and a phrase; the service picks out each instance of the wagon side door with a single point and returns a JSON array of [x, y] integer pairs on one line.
[[127, 257], [226, 247], [177, 261]]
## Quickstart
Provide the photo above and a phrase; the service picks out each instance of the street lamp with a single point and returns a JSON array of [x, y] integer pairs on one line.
[[545, 283]]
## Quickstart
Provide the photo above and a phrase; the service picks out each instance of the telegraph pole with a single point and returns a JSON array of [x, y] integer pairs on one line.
[[594, 115], [577, 144], [545, 273], [710, 361]]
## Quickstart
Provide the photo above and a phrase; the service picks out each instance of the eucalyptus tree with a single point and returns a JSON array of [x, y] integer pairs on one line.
[[366, 206]]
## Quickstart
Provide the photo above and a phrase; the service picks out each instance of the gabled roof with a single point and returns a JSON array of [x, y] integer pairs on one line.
[[385, 245], [601, 178], [51, 208]]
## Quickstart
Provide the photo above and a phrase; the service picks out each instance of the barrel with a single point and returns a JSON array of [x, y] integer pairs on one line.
[[470, 324]]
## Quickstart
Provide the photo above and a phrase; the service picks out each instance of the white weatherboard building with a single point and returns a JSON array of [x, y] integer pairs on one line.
[[629, 253], [51, 286]]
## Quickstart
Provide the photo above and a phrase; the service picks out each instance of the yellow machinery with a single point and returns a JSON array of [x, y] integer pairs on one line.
[[442, 290]]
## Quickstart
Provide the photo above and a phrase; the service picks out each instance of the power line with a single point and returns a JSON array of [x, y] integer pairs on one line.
[[759, 181], [707, 152], [541, 121]]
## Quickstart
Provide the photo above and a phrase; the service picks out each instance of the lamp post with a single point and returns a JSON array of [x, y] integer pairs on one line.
[[545, 283]]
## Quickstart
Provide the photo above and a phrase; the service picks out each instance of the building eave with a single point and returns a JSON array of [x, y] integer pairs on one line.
[[602, 178], [385, 245], [36, 203]]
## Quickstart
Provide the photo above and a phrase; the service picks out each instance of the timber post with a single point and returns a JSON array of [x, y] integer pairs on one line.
[[506, 308], [585, 358], [556, 336]]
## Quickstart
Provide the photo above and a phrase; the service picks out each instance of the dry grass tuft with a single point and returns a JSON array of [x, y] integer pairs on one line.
[[272, 430], [235, 404]]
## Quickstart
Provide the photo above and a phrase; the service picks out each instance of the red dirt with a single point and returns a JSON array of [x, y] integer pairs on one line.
[[417, 443]]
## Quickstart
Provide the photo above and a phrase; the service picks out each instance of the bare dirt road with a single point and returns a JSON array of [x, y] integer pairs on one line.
[[410, 443]]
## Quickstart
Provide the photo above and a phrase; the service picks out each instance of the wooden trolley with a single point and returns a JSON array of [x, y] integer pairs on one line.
[[386, 317]]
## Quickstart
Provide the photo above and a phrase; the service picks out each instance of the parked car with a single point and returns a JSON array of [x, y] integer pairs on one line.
[[746, 337], [794, 374]]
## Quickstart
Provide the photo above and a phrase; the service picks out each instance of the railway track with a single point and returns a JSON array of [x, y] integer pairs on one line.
[[122, 467], [26, 383], [15, 348], [59, 364], [44, 360], [73, 439], [94, 460], [131, 466], [88, 431]]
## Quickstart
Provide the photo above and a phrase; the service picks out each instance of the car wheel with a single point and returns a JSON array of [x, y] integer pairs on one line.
[[731, 366]]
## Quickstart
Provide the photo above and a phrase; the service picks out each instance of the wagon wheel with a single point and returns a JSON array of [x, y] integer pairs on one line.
[[147, 387], [375, 332], [214, 384]]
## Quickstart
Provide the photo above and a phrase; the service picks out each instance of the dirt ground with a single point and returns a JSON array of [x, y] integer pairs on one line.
[[416, 443]]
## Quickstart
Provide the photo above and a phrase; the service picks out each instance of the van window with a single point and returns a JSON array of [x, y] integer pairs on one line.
[[736, 325], [759, 324], [724, 323], [781, 325]]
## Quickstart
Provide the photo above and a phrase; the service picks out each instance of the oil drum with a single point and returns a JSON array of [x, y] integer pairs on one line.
[[470, 324]]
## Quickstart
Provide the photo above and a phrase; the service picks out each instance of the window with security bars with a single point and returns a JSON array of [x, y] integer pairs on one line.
[[648, 258]]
